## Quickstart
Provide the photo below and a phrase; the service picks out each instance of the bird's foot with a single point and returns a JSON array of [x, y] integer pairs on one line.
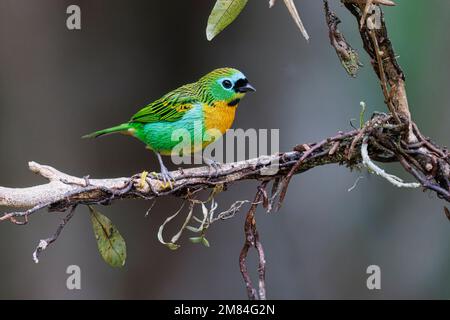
[[213, 165], [167, 177]]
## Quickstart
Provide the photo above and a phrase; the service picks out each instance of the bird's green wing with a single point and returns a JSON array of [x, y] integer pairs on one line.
[[171, 107]]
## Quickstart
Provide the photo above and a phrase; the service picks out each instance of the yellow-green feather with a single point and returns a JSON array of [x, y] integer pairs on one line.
[[154, 123]]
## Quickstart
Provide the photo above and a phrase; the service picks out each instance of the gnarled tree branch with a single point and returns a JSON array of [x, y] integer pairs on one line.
[[427, 162]]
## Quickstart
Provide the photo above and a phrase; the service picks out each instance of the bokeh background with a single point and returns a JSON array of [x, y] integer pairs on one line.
[[56, 85]]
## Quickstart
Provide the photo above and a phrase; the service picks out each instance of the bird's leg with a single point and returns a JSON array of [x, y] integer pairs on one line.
[[165, 174], [213, 165]]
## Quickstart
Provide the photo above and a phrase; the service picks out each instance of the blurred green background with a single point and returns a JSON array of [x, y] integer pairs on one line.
[[56, 85]]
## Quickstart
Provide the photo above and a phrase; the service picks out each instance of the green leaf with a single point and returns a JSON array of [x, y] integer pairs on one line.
[[110, 243], [201, 240], [205, 242], [223, 13], [172, 246], [196, 239]]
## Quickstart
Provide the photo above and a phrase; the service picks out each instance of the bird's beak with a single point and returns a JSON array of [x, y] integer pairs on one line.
[[246, 88]]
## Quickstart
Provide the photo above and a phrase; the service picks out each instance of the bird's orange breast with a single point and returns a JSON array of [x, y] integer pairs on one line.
[[219, 117]]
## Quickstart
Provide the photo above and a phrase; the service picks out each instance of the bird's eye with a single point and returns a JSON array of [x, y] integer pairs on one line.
[[227, 84]]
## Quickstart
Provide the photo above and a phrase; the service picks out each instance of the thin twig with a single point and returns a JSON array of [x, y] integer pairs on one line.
[[252, 240], [43, 244]]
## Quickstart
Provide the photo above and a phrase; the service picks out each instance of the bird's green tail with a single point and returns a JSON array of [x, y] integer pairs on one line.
[[119, 128]]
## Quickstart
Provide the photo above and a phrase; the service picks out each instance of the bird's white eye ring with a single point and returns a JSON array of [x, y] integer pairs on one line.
[[227, 84]]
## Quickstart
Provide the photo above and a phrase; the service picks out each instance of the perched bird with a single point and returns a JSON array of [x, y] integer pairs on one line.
[[210, 102]]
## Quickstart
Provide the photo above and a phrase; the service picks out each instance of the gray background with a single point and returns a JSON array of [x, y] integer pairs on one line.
[[56, 85]]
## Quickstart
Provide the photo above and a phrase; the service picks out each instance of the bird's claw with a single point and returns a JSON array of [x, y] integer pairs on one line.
[[167, 178], [213, 165]]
